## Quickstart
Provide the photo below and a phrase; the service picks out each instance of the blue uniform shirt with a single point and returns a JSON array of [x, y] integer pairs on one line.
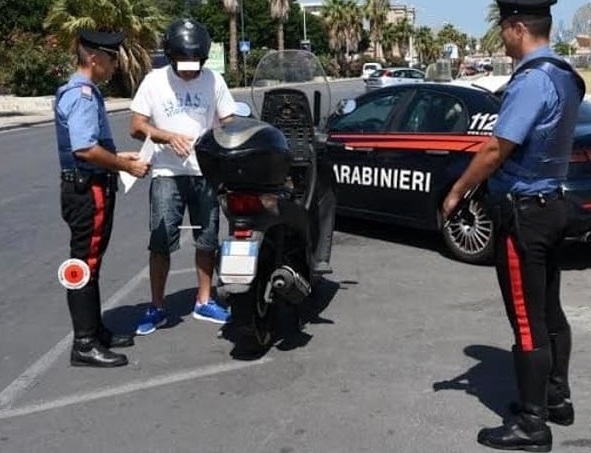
[[529, 115], [81, 122]]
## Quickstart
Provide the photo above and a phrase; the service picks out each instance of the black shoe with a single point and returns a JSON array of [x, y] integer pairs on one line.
[[90, 352], [523, 432], [561, 414], [322, 268], [114, 340]]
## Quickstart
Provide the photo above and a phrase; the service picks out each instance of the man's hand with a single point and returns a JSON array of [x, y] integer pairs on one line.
[[135, 166], [450, 202], [181, 144]]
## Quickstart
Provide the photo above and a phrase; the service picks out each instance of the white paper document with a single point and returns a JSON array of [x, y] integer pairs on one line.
[[146, 153]]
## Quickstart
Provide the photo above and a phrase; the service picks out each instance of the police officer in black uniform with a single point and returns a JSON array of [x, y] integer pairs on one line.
[[527, 160], [89, 163]]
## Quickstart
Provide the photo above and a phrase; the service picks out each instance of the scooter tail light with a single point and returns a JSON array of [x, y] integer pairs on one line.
[[244, 203], [242, 234]]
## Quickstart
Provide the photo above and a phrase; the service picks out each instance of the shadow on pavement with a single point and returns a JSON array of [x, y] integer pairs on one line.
[[288, 324], [575, 256], [428, 240], [124, 319], [491, 380]]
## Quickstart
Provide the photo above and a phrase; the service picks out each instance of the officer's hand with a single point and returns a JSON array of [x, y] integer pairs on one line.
[[181, 144], [138, 168], [450, 202], [129, 155]]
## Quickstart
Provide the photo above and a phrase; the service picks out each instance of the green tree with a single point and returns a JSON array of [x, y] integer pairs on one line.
[[376, 12], [427, 46], [491, 41], [564, 48], [20, 16], [141, 20]]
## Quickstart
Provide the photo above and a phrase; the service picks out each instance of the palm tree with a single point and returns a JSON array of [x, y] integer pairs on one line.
[[231, 7], [279, 11], [352, 25], [491, 41], [141, 20], [376, 12], [403, 31], [426, 45], [333, 13]]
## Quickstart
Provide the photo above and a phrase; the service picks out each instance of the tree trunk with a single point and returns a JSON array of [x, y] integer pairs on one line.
[[233, 44], [280, 42]]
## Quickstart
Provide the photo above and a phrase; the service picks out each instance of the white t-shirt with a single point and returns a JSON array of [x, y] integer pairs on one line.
[[185, 107]]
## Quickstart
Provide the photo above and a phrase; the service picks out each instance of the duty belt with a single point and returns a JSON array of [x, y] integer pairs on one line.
[[540, 199], [103, 179]]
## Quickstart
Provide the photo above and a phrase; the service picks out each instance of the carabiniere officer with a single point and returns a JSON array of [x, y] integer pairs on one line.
[[89, 163], [527, 159]]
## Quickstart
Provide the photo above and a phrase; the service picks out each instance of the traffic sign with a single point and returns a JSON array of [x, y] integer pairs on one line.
[[216, 61], [244, 46]]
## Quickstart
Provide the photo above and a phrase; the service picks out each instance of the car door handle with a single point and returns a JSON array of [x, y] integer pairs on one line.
[[437, 152], [362, 150]]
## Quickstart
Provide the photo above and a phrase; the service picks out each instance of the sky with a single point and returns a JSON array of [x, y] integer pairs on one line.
[[470, 15]]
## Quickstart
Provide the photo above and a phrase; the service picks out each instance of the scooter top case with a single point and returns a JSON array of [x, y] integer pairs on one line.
[[244, 153]]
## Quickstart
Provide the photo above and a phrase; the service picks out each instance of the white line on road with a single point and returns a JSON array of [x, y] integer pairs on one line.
[[130, 387], [15, 389]]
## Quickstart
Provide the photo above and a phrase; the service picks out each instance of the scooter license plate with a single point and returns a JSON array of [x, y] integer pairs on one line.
[[239, 258]]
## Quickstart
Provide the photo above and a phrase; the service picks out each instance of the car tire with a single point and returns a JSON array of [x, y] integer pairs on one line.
[[470, 238]]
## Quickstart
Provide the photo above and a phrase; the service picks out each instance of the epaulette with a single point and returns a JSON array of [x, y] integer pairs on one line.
[[86, 91]]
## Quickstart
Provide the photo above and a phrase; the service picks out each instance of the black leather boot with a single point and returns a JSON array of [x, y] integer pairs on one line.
[[560, 407], [107, 338], [527, 430], [87, 349]]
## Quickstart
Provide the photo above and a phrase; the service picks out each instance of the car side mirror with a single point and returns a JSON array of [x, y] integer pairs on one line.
[[346, 106], [243, 109]]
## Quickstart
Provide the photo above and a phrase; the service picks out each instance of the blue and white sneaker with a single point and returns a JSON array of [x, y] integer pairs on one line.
[[152, 319], [211, 311]]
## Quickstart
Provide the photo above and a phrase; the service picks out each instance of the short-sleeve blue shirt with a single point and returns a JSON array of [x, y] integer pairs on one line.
[[81, 122]]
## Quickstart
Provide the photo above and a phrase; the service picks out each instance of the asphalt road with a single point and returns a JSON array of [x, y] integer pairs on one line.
[[405, 351]]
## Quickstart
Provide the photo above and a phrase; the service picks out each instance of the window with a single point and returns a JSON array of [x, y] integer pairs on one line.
[[371, 116], [435, 113]]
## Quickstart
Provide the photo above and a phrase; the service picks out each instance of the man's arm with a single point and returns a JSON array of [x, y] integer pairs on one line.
[[125, 161]]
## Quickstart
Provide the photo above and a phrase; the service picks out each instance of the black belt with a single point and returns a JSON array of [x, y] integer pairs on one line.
[[102, 179], [540, 199]]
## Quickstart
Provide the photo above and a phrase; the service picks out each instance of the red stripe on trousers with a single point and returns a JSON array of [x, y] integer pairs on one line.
[[514, 262], [97, 228]]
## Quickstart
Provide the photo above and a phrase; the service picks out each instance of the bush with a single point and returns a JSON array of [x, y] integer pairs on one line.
[[36, 67]]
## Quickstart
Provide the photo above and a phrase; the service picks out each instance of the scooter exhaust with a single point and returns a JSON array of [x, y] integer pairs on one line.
[[287, 283]]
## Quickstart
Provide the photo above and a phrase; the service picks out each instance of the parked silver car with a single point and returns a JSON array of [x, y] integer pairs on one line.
[[392, 76]]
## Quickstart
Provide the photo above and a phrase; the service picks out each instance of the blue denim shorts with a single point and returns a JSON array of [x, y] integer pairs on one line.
[[169, 196]]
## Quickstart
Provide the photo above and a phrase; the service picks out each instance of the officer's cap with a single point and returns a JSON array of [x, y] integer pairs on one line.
[[508, 8], [102, 40]]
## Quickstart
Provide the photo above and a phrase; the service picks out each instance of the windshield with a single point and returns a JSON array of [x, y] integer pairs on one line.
[[296, 69]]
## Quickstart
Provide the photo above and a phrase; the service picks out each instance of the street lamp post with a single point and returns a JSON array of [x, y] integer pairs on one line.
[[304, 12]]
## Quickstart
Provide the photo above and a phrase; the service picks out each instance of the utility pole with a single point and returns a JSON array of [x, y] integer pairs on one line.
[[242, 33]]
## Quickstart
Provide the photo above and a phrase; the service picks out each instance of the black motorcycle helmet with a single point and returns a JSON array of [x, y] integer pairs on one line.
[[186, 38]]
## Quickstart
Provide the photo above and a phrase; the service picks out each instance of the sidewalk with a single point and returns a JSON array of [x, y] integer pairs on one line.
[[18, 112]]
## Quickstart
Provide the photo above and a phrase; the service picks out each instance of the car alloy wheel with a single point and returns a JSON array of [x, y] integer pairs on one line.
[[470, 237]]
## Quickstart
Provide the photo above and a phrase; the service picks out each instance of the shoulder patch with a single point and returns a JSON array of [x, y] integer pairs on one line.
[[86, 91]]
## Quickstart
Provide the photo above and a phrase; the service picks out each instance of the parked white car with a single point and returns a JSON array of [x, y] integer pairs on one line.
[[368, 69]]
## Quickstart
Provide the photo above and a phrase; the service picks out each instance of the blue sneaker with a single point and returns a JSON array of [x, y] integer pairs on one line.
[[152, 319], [211, 311]]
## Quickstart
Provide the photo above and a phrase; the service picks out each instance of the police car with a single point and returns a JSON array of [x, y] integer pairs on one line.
[[397, 151]]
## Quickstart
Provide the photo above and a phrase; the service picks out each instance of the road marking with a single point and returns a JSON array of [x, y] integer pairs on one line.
[[20, 385], [16, 388], [130, 387]]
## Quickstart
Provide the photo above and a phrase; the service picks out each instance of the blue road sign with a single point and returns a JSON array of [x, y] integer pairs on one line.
[[244, 46]]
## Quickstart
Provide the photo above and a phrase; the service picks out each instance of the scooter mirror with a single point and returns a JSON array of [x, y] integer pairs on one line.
[[243, 109]]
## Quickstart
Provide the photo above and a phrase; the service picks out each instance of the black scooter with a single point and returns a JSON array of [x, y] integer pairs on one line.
[[266, 172]]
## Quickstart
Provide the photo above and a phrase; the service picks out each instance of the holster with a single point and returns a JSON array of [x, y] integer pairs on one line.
[[504, 211]]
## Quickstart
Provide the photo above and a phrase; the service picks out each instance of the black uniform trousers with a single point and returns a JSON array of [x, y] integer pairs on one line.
[[87, 204], [530, 233]]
